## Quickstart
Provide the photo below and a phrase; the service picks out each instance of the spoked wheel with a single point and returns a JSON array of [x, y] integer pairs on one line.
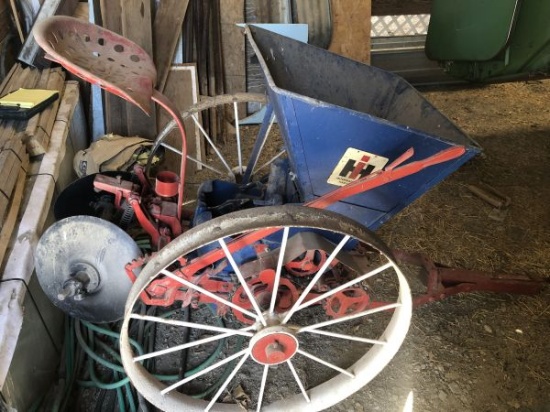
[[292, 309], [233, 148]]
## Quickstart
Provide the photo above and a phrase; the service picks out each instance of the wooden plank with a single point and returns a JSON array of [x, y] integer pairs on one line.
[[4, 207], [9, 166], [81, 12], [9, 140], [37, 144], [5, 23], [31, 53], [115, 107], [7, 131], [111, 15], [52, 161], [216, 65], [166, 33], [136, 23], [137, 26], [10, 220], [68, 104], [17, 24], [182, 89], [25, 78], [32, 124], [351, 29], [233, 47], [15, 70], [5, 134]]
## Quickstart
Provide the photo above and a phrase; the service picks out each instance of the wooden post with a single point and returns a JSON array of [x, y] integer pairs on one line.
[[351, 29], [137, 26], [115, 107], [233, 41], [166, 33]]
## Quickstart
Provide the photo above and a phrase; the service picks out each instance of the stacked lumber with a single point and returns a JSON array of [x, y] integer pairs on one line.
[[38, 131], [21, 139], [14, 162], [34, 133]]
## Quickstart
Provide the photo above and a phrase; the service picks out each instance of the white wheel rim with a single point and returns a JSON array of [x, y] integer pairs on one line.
[[346, 382]]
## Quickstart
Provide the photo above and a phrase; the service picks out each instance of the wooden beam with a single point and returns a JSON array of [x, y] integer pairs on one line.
[[31, 53], [15, 13], [115, 107], [182, 89], [8, 224], [166, 33], [351, 29], [15, 71], [137, 26], [37, 142], [233, 45]]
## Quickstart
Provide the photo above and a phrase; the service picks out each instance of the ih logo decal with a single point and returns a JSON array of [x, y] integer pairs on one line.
[[354, 165]]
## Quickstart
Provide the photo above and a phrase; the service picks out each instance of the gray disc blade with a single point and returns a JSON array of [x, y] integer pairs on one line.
[[86, 247]]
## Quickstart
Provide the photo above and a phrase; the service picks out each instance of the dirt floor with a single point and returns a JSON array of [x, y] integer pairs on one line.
[[479, 351]]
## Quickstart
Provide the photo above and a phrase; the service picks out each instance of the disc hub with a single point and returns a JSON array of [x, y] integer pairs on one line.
[[83, 280], [273, 345]]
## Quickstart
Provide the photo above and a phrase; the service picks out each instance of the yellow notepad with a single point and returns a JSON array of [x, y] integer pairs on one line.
[[26, 98]]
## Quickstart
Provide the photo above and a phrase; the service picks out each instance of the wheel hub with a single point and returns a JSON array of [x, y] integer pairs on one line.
[[273, 345]]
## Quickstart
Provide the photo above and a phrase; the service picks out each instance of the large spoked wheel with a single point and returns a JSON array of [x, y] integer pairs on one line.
[[293, 309], [224, 142]]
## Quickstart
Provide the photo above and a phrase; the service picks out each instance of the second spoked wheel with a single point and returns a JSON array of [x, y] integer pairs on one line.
[[223, 141], [292, 308]]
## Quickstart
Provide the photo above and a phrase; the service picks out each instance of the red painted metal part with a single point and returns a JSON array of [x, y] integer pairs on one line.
[[112, 62], [392, 173], [274, 348], [167, 105], [100, 57], [166, 184], [307, 264], [442, 282], [166, 212], [145, 206], [367, 183], [262, 288], [347, 301]]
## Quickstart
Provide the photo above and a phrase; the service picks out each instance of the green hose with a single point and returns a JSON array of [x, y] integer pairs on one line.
[[121, 383], [94, 355], [112, 334]]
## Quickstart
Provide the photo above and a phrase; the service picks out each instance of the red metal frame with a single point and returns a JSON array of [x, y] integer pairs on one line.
[[442, 282]]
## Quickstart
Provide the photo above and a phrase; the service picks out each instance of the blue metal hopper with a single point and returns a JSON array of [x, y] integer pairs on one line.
[[341, 119]]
